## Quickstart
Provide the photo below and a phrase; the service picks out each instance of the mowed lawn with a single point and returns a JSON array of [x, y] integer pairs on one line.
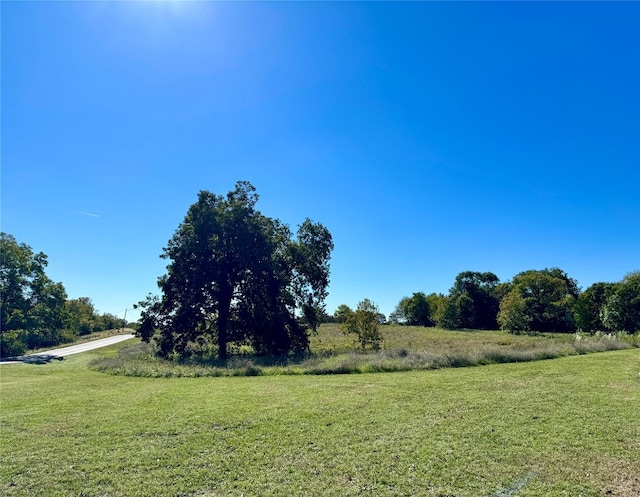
[[561, 427]]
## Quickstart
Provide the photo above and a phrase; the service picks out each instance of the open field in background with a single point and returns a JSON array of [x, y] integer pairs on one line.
[[331, 338], [404, 348], [566, 427]]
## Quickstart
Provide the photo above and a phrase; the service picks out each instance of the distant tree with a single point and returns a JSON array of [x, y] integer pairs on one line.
[[342, 312], [417, 310], [31, 305], [435, 300], [364, 323], [455, 312], [622, 309], [80, 315], [108, 321], [545, 300], [480, 309], [236, 275], [398, 315], [589, 310], [502, 289], [327, 318], [513, 315]]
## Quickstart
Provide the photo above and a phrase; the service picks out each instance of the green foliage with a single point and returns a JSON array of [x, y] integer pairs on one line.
[[414, 311], [238, 277], [474, 297], [455, 311], [589, 309], [622, 309], [539, 301], [13, 343], [30, 301], [80, 315], [108, 321], [342, 312], [513, 315], [364, 323], [81, 318]]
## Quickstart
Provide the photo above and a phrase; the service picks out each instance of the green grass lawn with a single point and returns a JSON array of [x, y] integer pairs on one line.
[[564, 427]]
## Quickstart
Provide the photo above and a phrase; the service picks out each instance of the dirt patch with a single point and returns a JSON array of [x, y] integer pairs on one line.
[[625, 484]]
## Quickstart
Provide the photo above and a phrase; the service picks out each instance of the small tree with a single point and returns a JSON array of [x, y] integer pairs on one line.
[[364, 323]]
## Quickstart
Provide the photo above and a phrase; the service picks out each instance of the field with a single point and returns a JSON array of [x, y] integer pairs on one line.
[[562, 427], [403, 348]]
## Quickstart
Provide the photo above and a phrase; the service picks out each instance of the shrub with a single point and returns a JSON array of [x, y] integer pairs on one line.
[[12, 343]]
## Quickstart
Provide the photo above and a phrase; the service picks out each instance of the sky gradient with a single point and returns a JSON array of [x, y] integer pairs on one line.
[[429, 138]]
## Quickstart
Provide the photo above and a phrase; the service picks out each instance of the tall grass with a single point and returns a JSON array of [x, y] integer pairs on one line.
[[405, 349]]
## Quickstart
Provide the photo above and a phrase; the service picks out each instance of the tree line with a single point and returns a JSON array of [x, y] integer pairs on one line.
[[546, 300], [34, 310]]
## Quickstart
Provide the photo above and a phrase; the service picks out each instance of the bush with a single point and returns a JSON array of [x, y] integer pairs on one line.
[[12, 343]]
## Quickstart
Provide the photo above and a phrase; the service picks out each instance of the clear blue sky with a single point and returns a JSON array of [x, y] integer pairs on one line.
[[430, 138]]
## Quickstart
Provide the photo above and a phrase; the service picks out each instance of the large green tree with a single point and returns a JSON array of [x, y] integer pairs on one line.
[[238, 276], [32, 306], [539, 300], [474, 294]]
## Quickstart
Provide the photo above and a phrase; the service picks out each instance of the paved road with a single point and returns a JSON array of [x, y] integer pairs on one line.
[[83, 347]]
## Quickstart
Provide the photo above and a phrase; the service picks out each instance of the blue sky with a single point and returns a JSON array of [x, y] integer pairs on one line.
[[430, 138]]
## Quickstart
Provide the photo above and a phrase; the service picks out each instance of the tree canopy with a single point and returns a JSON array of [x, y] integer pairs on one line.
[[475, 295], [32, 308], [415, 311], [589, 310], [539, 300], [237, 276]]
